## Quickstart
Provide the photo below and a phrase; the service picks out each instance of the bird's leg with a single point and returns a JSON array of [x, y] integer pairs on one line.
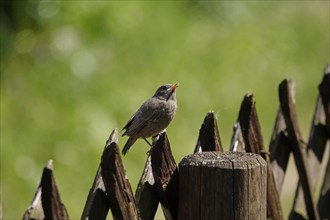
[[147, 141], [149, 151], [154, 139]]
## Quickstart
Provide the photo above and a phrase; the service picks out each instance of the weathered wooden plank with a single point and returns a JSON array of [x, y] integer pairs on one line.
[[209, 138], [35, 210], [47, 202], [97, 204], [324, 89], [118, 188], [253, 141], [165, 174], [146, 194], [324, 201], [287, 102], [315, 151], [280, 150], [237, 141]]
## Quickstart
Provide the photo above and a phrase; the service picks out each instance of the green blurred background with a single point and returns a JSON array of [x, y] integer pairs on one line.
[[72, 71]]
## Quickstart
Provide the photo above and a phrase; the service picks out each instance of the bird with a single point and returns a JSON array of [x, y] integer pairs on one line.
[[152, 117]]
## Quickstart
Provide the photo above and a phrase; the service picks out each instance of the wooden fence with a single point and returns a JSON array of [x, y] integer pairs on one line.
[[197, 188]]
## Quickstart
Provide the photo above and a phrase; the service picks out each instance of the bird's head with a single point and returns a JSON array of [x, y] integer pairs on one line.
[[166, 92]]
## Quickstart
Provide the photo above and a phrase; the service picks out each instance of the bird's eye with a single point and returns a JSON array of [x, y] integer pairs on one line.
[[164, 87]]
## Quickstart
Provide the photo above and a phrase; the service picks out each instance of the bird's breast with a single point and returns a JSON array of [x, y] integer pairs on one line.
[[169, 108]]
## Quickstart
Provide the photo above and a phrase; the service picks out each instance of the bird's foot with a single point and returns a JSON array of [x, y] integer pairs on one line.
[[148, 153], [156, 137]]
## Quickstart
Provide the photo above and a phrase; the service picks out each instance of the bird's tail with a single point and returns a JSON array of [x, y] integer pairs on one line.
[[129, 143]]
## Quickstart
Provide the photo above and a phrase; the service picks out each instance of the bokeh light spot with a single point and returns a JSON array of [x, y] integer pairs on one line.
[[25, 41], [65, 40], [99, 123], [47, 9], [25, 167], [83, 64]]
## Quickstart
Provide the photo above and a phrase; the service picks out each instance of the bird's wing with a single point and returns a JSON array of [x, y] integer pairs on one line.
[[128, 124], [147, 113]]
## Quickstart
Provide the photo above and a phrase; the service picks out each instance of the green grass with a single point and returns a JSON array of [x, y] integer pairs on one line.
[[73, 71]]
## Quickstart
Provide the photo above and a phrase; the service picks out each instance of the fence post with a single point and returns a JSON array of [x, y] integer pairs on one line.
[[287, 103], [324, 89], [222, 185], [253, 142], [280, 150], [117, 186], [165, 172], [146, 195], [47, 202], [209, 137], [98, 202]]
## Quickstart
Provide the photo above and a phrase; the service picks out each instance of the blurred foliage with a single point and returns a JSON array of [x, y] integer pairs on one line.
[[71, 71]]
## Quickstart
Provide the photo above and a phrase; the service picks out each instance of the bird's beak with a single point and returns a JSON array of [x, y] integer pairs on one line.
[[176, 85]]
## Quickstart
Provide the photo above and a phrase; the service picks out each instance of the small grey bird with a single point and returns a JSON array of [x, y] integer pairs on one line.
[[152, 117]]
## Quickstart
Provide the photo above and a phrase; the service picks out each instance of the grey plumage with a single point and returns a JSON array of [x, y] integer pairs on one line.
[[153, 116]]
